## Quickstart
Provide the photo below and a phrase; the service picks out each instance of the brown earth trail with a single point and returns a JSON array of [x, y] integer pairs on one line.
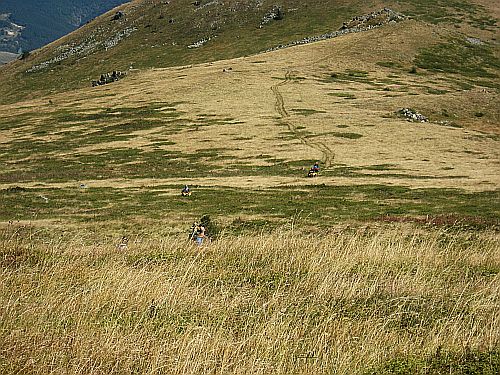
[[328, 154]]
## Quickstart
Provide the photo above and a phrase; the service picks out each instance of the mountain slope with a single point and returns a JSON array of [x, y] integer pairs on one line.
[[270, 115], [273, 113], [162, 34], [387, 262]]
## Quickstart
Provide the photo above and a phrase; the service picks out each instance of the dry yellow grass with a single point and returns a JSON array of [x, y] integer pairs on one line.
[[266, 109], [266, 304], [283, 303]]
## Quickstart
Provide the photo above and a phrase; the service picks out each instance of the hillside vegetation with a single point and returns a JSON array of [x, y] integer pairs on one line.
[[155, 34], [396, 301], [387, 262]]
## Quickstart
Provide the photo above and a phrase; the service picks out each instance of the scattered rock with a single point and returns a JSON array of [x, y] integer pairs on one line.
[[357, 24], [199, 43], [274, 14], [474, 41], [378, 18], [108, 78], [412, 115], [206, 5], [117, 16]]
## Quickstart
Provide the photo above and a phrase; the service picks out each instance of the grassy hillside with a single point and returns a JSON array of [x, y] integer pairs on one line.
[[396, 301], [249, 128], [385, 263], [157, 34]]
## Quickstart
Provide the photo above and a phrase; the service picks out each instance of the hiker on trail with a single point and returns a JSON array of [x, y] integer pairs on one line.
[[186, 191], [313, 172]]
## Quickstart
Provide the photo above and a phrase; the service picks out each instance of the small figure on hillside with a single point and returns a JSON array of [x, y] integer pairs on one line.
[[200, 235], [186, 192], [123, 245], [313, 172], [204, 231]]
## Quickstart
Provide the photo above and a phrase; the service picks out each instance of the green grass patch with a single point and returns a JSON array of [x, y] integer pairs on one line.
[[484, 22], [389, 64], [357, 73], [315, 203], [345, 95], [306, 111], [469, 362], [380, 167], [346, 135], [350, 76], [434, 91], [441, 11], [459, 57]]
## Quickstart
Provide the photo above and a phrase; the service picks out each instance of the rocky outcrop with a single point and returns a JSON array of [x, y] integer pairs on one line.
[[474, 41], [355, 25], [274, 14], [199, 43], [108, 78], [118, 15], [412, 115], [91, 44], [378, 18]]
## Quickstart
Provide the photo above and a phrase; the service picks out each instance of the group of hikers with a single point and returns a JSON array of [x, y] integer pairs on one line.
[[199, 231]]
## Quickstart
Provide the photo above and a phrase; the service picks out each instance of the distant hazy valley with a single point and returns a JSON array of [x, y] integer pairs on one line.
[[28, 25]]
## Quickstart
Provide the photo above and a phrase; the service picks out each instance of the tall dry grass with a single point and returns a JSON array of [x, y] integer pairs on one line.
[[277, 303]]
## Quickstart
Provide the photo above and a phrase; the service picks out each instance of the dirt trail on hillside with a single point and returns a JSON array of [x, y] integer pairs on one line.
[[328, 154]]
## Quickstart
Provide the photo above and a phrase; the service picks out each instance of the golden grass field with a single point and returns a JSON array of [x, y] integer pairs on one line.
[[348, 302], [308, 111], [387, 263]]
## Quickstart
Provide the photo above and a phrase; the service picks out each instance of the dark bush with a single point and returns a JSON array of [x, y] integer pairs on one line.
[[211, 227]]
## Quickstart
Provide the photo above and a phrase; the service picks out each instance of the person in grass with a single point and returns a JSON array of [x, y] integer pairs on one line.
[[186, 191], [200, 235], [314, 170]]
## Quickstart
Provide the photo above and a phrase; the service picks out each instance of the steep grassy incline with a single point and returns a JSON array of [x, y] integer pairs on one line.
[[162, 34], [243, 132]]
